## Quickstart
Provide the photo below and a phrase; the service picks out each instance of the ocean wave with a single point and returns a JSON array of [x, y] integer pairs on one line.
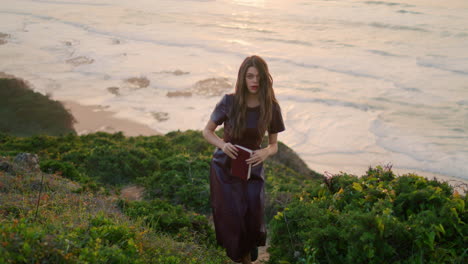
[[332, 102], [412, 104], [357, 152], [397, 27], [89, 29], [387, 3], [414, 152], [241, 26], [288, 41], [409, 12], [69, 3], [441, 67], [316, 66], [411, 89], [383, 53]]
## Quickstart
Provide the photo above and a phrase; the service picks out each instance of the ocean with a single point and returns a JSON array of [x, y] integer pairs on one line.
[[360, 83]]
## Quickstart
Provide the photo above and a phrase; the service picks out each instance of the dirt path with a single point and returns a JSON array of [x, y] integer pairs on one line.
[[263, 255], [132, 193]]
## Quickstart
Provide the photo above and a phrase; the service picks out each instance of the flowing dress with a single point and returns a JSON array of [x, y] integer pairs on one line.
[[237, 205]]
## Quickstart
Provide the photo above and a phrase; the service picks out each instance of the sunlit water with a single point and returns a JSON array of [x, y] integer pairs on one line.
[[361, 83]]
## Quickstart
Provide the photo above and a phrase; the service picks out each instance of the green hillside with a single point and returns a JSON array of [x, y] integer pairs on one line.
[[82, 176], [377, 218], [67, 207]]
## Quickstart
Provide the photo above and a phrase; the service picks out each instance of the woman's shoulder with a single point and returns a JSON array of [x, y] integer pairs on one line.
[[228, 98]]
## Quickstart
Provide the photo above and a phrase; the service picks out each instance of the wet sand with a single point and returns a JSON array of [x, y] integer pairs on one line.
[[94, 118]]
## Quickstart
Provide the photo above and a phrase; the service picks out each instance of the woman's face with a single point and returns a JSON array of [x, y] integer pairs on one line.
[[252, 80]]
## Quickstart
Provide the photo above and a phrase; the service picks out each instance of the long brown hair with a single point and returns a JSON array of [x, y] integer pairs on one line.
[[266, 97]]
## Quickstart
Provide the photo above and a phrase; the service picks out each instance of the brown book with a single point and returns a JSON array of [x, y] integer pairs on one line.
[[239, 167]]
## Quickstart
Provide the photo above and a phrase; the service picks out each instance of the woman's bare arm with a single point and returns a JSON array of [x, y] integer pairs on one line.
[[210, 136], [272, 144]]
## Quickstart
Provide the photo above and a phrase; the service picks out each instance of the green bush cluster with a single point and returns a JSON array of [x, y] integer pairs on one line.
[[66, 169], [101, 241], [378, 218], [182, 179], [282, 184]]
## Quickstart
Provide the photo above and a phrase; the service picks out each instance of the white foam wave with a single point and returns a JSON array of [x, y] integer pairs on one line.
[[411, 151]]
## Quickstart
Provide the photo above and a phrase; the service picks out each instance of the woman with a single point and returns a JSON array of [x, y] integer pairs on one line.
[[238, 205]]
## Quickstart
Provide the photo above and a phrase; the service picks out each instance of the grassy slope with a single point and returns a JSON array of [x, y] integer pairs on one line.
[[77, 227]]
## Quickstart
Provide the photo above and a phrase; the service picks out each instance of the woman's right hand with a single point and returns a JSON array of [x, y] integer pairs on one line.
[[230, 150]]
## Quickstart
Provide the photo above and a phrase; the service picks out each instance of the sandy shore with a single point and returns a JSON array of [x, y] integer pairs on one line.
[[91, 119]]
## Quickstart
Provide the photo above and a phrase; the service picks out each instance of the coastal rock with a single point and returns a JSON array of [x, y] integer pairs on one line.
[[207, 87], [212, 87], [3, 37], [160, 116], [179, 72], [179, 94], [114, 90], [139, 82], [5, 166], [27, 160]]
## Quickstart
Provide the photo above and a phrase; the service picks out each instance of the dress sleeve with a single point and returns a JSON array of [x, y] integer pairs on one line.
[[220, 112], [276, 124]]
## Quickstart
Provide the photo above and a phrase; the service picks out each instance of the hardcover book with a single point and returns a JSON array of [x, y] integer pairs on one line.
[[239, 167]]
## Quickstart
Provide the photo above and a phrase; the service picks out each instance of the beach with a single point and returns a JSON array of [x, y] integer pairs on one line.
[[90, 119]]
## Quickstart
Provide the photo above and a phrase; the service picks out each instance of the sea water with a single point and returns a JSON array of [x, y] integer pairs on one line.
[[360, 83]]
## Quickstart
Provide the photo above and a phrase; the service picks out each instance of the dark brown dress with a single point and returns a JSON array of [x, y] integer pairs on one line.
[[238, 206]]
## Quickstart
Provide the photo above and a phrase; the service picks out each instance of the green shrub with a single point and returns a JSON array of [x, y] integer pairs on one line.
[[378, 218], [22, 241], [66, 169], [182, 179], [114, 165], [282, 184]]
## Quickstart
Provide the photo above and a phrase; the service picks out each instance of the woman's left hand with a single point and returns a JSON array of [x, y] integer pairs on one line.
[[258, 157]]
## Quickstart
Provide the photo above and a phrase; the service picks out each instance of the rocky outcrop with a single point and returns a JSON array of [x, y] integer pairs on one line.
[[23, 162], [27, 161]]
